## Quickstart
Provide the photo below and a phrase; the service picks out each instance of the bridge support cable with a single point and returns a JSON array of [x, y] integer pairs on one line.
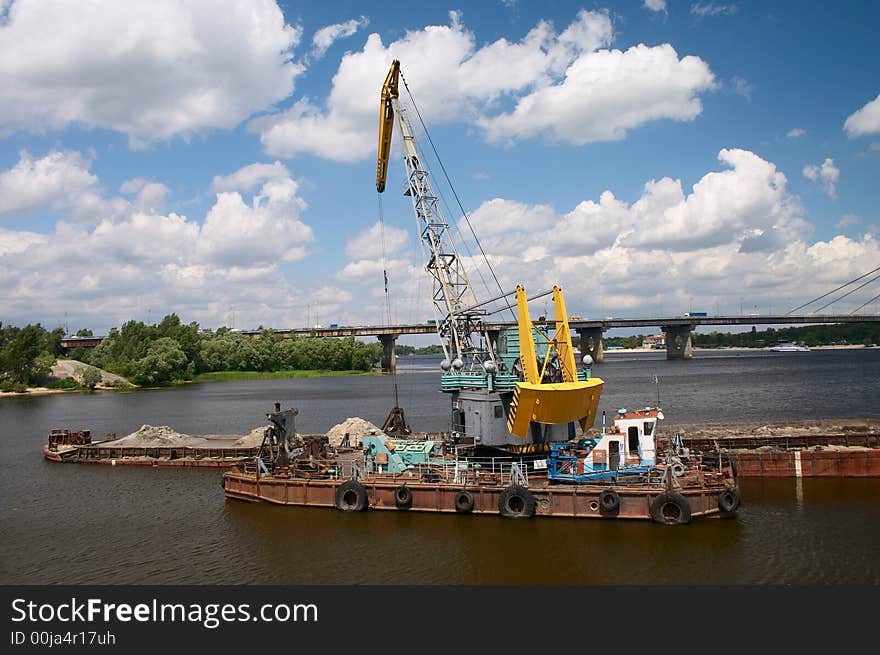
[[862, 285], [877, 297], [825, 295]]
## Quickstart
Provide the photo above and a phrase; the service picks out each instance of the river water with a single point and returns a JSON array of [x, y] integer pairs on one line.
[[77, 524]]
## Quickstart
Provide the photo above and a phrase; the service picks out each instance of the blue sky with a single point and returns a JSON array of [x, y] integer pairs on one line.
[[647, 156]]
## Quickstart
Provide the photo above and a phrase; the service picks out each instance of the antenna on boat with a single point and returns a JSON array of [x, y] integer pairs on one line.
[[656, 381]]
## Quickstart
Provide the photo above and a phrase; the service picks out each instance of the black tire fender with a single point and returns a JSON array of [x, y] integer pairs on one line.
[[517, 502], [403, 497], [609, 502], [671, 508], [351, 496], [464, 502], [728, 501]]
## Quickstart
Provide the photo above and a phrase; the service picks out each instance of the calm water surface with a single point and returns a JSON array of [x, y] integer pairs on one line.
[[97, 524]]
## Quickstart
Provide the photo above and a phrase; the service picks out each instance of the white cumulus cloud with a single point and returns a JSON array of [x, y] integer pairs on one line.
[[796, 133], [737, 233], [713, 9], [655, 5], [369, 243], [149, 69], [864, 121], [563, 84], [56, 179], [826, 174], [114, 270], [326, 36], [250, 177]]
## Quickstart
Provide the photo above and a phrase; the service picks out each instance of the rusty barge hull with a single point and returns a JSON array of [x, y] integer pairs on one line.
[[176, 457], [808, 463], [564, 501]]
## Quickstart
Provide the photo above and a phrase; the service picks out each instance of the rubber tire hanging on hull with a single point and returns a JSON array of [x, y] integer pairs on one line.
[[517, 502], [403, 497], [728, 501], [351, 496], [609, 502], [464, 502], [671, 508]]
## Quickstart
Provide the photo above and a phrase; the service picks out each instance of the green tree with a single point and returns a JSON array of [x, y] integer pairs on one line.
[[21, 353], [164, 361], [89, 377]]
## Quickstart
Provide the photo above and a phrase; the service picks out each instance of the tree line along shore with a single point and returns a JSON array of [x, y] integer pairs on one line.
[[171, 352]]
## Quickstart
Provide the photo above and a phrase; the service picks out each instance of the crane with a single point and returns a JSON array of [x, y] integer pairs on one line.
[[499, 398]]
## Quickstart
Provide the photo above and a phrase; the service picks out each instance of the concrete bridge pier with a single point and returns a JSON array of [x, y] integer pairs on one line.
[[592, 344], [679, 341], [389, 359]]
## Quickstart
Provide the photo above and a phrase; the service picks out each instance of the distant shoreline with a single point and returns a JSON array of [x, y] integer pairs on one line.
[[216, 376], [733, 349]]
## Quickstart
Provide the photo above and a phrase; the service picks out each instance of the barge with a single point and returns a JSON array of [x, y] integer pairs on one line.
[[827, 448], [575, 480], [66, 446]]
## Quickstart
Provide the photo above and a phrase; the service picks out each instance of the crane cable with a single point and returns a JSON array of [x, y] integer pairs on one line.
[[824, 295], [452, 188], [387, 295]]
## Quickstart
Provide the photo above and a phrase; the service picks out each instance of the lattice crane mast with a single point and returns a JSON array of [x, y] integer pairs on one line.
[[454, 300]]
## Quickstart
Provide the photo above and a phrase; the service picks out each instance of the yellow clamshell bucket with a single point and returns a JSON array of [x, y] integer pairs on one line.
[[556, 402]]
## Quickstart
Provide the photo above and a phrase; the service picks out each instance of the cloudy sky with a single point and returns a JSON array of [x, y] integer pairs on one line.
[[217, 158]]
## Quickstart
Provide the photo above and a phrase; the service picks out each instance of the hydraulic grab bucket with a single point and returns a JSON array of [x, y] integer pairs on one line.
[[539, 401]]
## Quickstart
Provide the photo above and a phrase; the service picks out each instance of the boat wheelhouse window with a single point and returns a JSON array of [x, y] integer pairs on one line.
[[649, 428], [633, 439]]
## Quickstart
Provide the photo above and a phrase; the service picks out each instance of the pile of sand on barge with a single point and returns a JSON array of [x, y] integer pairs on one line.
[[163, 436], [355, 427]]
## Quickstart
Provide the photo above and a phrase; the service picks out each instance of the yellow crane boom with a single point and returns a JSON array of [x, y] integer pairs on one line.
[[390, 92]]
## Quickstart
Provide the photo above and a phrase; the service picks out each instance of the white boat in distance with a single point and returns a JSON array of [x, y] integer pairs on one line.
[[789, 348]]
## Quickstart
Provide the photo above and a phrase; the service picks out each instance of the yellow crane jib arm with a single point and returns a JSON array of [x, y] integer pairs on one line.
[[390, 92], [564, 347], [527, 358]]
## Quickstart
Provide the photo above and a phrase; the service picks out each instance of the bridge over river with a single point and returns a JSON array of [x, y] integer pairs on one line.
[[678, 331]]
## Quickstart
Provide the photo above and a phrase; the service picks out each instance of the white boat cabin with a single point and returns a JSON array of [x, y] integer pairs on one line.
[[630, 441]]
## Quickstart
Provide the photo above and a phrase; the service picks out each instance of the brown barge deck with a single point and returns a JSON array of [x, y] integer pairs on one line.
[[183, 456]]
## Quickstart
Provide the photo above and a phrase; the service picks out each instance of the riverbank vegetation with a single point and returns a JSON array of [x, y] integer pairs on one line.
[[171, 351], [433, 349], [27, 355]]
